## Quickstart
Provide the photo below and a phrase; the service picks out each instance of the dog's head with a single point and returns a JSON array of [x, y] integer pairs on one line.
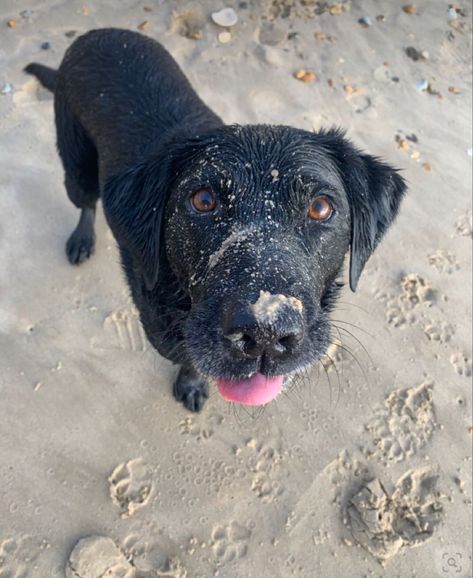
[[255, 222]]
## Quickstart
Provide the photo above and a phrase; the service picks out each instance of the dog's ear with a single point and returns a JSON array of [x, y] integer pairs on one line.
[[134, 202], [375, 191]]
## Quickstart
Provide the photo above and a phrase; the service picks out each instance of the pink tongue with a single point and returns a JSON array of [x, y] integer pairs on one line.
[[256, 390]]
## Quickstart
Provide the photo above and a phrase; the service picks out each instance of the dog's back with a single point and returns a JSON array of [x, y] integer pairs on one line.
[[126, 92]]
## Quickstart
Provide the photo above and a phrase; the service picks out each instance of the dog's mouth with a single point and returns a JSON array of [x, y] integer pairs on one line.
[[258, 389]]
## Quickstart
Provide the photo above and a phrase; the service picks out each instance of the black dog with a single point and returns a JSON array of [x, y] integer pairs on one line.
[[231, 237]]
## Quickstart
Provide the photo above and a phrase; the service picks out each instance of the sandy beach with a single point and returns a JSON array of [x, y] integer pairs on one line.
[[363, 469]]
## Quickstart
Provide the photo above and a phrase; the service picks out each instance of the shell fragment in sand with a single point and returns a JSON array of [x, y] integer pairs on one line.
[[225, 18]]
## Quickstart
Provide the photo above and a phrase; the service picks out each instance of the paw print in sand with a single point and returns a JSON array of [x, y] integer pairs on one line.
[[130, 486], [461, 364], [415, 292], [229, 542], [444, 261], [263, 462]]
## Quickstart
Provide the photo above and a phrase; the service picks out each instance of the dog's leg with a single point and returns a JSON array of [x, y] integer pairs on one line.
[[190, 388], [81, 244], [80, 161]]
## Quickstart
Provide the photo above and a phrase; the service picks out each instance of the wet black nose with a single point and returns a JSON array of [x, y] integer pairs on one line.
[[251, 335]]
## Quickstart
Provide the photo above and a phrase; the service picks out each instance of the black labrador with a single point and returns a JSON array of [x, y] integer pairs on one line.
[[232, 238]]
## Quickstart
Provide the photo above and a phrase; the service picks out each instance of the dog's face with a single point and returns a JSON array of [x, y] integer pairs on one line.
[[256, 226]]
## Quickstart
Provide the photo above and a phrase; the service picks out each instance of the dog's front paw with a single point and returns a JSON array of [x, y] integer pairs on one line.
[[79, 247], [191, 389]]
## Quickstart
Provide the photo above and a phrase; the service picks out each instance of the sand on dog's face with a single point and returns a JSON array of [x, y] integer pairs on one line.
[[268, 307]]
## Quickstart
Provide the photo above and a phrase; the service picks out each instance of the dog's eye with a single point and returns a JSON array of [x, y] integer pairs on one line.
[[320, 209], [204, 201]]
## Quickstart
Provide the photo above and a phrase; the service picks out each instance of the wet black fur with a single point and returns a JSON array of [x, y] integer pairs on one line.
[[131, 130]]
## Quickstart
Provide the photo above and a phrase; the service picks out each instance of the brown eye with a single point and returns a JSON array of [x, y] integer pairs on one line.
[[204, 201], [320, 209]]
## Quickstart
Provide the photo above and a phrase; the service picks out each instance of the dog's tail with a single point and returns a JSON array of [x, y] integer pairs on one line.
[[47, 76]]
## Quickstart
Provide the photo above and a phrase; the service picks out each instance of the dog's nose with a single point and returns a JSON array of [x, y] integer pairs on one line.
[[252, 336]]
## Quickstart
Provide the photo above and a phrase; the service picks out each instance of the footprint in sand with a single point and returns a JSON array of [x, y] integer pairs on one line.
[[415, 292], [404, 425], [96, 556], [440, 331], [229, 542], [263, 462], [444, 261], [461, 364], [100, 557], [17, 556], [464, 225], [383, 524], [148, 551], [201, 427], [130, 486], [122, 330]]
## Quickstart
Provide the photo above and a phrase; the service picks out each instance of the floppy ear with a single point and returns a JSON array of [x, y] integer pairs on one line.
[[375, 191], [134, 203]]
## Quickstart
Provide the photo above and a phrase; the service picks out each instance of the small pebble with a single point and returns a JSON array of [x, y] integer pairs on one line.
[[416, 55], [11, 23], [305, 76], [381, 18], [409, 9], [45, 46], [427, 166], [452, 14], [431, 90], [224, 37], [226, 17], [422, 85], [365, 21], [144, 25], [453, 90], [70, 33], [404, 145], [26, 14], [7, 88], [339, 8], [323, 36]]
